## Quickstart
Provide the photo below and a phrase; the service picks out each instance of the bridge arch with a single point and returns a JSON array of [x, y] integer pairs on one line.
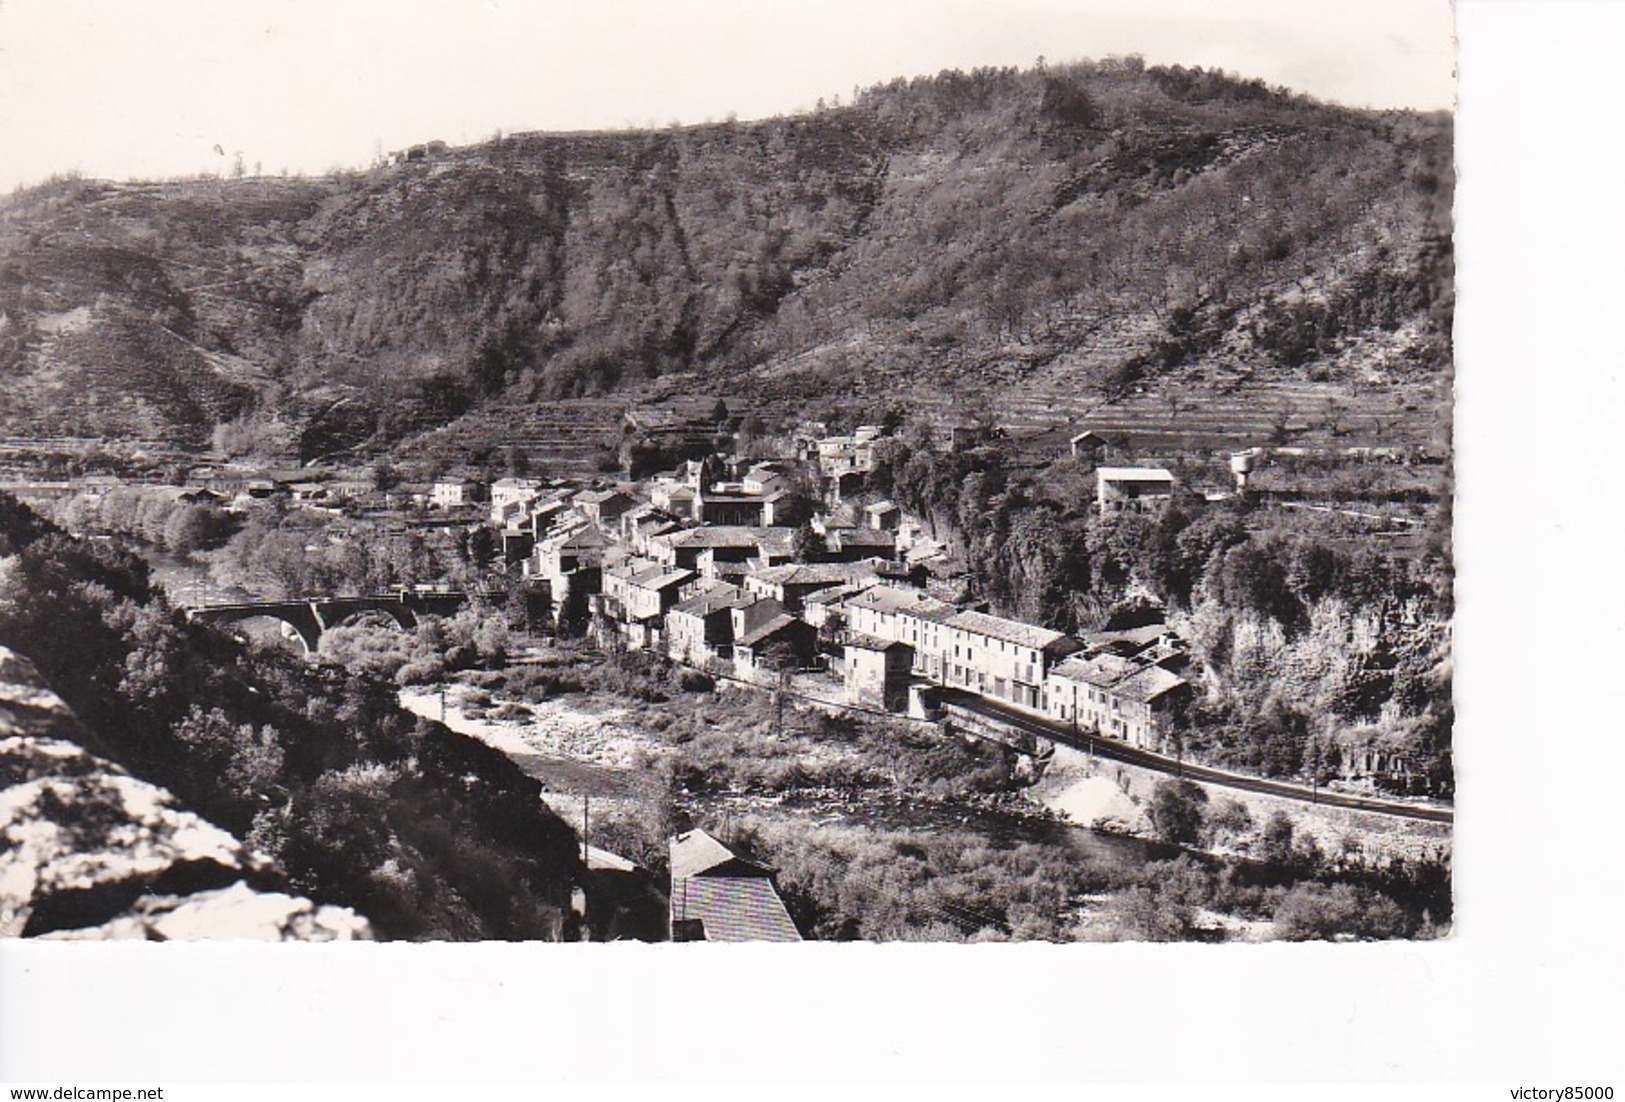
[[332, 614], [297, 615], [310, 617]]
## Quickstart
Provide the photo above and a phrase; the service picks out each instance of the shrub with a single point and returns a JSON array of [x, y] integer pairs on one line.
[[1312, 912], [1177, 811]]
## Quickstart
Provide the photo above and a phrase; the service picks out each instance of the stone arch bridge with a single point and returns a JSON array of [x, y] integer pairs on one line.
[[309, 617]]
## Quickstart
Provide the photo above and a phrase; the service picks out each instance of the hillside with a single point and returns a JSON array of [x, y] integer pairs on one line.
[[1142, 246], [336, 794], [91, 852]]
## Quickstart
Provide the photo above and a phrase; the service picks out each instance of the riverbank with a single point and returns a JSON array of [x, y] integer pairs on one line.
[[578, 752], [1113, 796]]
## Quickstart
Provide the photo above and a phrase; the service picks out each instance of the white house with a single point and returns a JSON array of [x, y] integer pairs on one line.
[[1133, 489]]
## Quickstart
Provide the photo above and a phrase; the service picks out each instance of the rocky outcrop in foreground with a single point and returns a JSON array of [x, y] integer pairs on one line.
[[89, 852]]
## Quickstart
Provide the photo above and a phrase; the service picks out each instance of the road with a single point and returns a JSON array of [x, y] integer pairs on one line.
[[1131, 755]]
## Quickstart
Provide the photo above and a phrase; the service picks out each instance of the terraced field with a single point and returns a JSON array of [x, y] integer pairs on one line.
[[1176, 419], [566, 438], [561, 439]]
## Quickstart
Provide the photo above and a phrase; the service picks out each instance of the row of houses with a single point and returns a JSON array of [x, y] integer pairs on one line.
[[867, 623], [1121, 684]]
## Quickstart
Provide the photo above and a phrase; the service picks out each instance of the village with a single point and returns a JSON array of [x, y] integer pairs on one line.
[[702, 565], [782, 571]]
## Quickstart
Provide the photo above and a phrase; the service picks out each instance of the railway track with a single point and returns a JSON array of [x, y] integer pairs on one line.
[[1132, 755]]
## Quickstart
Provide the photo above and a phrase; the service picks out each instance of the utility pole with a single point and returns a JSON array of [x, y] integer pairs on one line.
[[586, 807], [442, 703]]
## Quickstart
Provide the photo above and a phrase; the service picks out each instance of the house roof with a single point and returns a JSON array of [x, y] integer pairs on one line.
[[763, 633], [837, 594], [648, 574], [1102, 671], [861, 537], [732, 908], [816, 573], [717, 599], [599, 497], [871, 642], [1136, 637], [584, 536], [891, 599], [1009, 631], [729, 535], [695, 852], [1134, 474], [1148, 683]]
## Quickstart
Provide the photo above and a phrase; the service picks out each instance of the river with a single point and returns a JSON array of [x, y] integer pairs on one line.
[[579, 753], [186, 580]]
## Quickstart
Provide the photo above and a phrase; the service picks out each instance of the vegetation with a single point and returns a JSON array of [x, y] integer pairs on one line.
[[885, 830], [282, 552], [427, 833], [159, 517], [1323, 653], [967, 228]]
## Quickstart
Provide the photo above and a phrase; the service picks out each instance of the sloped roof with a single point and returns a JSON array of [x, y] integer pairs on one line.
[[1148, 684], [599, 497], [717, 599], [871, 642], [862, 537], [836, 594], [1102, 671], [891, 598], [729, 535], [818, 573], [648, 574], [584, 536], [731, 908], [768, 630], [694, 852], [1134, 637], [1010, 631], [1134, 474]]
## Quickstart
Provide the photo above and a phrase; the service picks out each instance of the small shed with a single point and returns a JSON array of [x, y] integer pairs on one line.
[[1087, 444]]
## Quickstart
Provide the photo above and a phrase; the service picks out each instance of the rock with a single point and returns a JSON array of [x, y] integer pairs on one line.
[[236, 913], [88, 851]]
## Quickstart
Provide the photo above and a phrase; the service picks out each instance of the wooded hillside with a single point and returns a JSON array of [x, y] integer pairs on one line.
[[1053, 238]]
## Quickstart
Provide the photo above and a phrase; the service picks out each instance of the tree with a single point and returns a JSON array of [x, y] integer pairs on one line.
[[809, 545], [482, 547], [1252, 576], [751, 431], [1278, 839], [1229, 819], [1177, 811]]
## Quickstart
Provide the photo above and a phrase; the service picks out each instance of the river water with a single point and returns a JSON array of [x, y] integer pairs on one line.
[[187, 581], [575, 752]]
